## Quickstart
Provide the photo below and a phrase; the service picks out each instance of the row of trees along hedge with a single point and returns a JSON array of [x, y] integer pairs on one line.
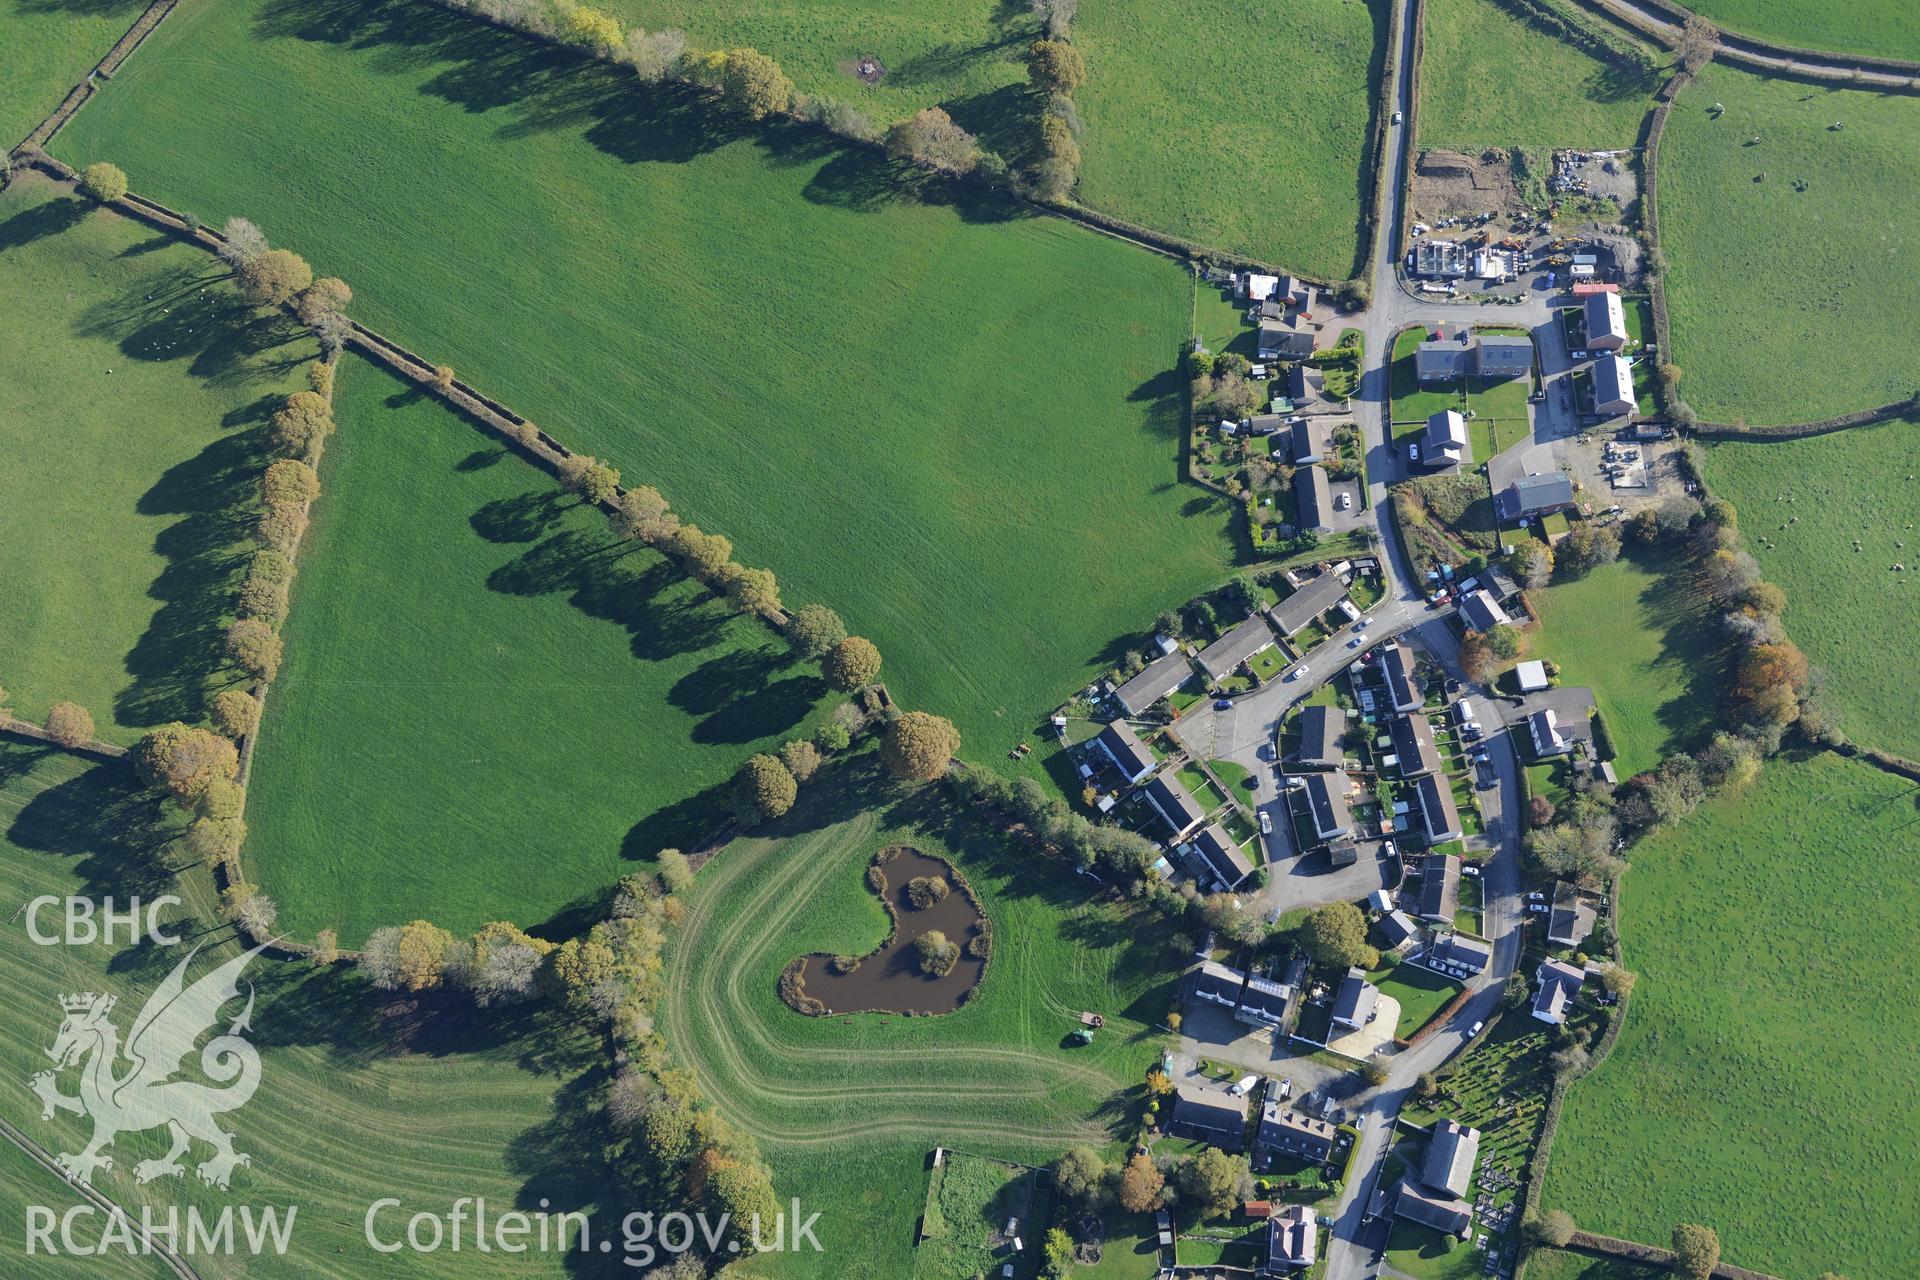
[[916, 746], [662, 1134]]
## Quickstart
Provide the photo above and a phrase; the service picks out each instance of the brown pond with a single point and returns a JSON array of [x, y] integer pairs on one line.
[[890, 980]]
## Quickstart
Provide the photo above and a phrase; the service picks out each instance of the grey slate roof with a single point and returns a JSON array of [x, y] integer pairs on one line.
[[1327, 798], [1463, 952], [1417, 1204], [1503, 356], [1309, 602], [1353, 1003], [1606, 320], [1313, 499], [1396, 664], [1123, 746], [1321, 728], [1481, 612], [1293, 1237], [1280, 341], [1396, 927], [1225, 654], [1452, 1151], [1210, 1115], [1161, 677], [1174, 804], [1284, 1129], [1535, 495], [1440, 887], [1543, 727], [1441, 361], [1413, 743], [1305, 443], [1343, 853], [1559, 984], [1572, 918], [1612, 385], [1437, 810], [1446, 435], [1228, 863]]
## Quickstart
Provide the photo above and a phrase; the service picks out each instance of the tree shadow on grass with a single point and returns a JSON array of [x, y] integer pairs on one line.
[[176, 662], [519, 519], [191, 313], [84, 8], [48, 219], [116, 831], [685, 824]]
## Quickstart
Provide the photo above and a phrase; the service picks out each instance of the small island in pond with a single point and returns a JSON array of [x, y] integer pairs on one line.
[[931, 962]]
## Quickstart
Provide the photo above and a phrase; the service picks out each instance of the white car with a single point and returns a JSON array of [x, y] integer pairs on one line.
[[1266, 823], [1341, 501], [1294, 674], [1475, 1029], [1398, 116]]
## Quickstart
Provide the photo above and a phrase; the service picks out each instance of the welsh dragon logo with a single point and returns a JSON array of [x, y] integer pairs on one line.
[[144, 1093]]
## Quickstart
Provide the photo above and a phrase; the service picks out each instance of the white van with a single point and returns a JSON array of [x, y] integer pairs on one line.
[[1463, 711]]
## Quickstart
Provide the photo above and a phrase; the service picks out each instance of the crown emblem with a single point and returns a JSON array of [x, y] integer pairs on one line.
[[85, 1001]]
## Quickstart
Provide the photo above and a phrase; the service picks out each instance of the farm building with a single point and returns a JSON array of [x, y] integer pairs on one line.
[[1531, 496], [1253, 287], [1606, 322], [1327, 801], [1445, 442], [1413, 745], [1481, 612], [1308, 602], [1440, 889], [1224, 656], [1559, 983], [1293, 1238], [1120, 744], [1439, 816], [1175, 807], [1313, 500], [1209, 1115], [1321, 728], [1613, 385], [1452, 1151], [1353, 1003], [1223, 858], [1162, 677], [1291, 1133], [1396, 664]]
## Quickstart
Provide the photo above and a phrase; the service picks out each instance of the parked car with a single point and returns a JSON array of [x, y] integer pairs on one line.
[[1357, 641], [1294, 673], [1223, 704], [1266, 823], [1413, 452], [1536, 897], [1470, 869], [1341, 501], [1361, 626], [1540, 908], [1475, 1029]]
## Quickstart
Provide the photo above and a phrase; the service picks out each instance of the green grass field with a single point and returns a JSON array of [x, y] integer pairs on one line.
[[1769, 1036], [1492, 77], [24, 1185], [969, 1200], [848, 1109], [1636, 633], [132, 414], [1731, 221], [968, 56], [490, 706], [1882, 28], [50, 48], [1559, 1264], [424, 1106], [1802, 504], [1240, 127], [1422, 993], [919, 411]]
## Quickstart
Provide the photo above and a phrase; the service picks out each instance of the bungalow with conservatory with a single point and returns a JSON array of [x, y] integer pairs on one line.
[[1162, 677], [1279, 340], [1312, 500], [1308, 602], [1613, 386], [1293, 1238], [1440, 889], [1438, 814], [1606, 322], [1573, 915], [1321, 728], [1120, 744], [1175, 807], [1327, 802], [1224, 656]]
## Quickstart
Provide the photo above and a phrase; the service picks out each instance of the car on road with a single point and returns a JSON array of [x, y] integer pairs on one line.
[[1398, 116], [1360, 627], [1357, 641], [1223, 704], [1266, 823], [1475, 1029], [1294, 674]]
